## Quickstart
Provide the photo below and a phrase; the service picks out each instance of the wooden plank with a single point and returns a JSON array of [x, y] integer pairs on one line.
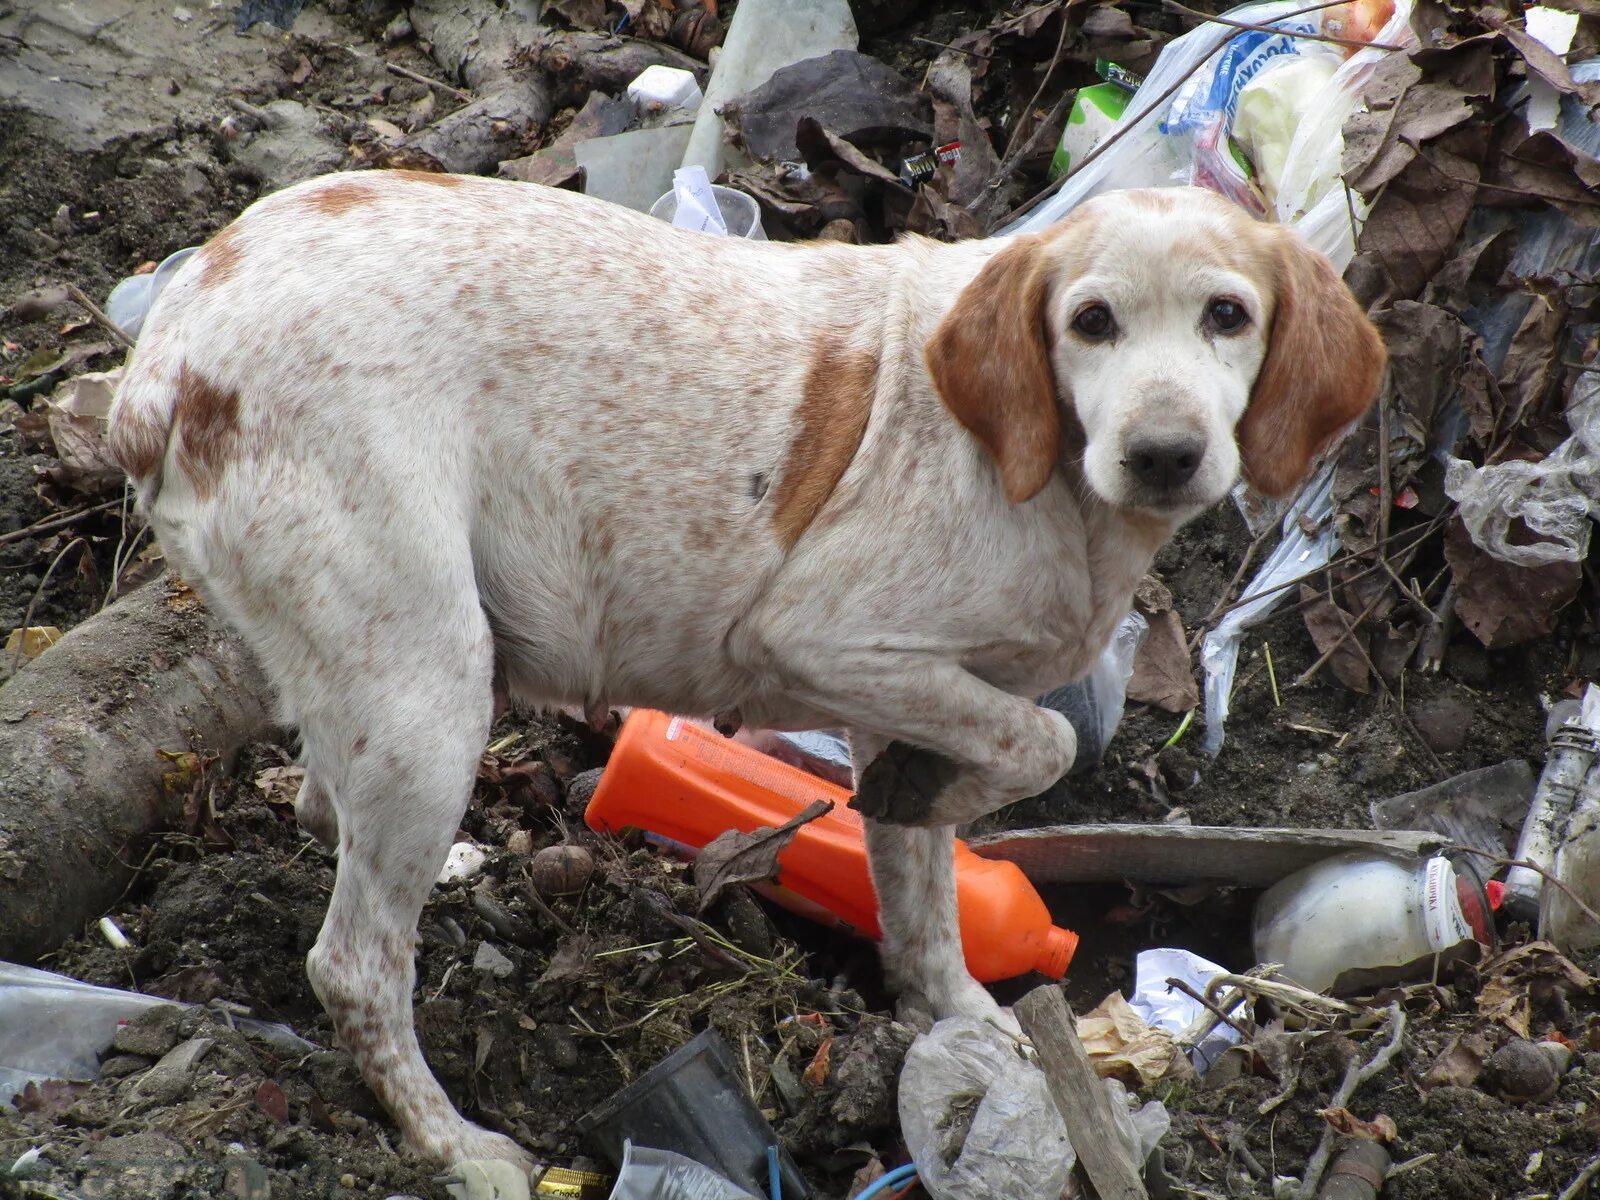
[[1181, 854], [1085, 1104]]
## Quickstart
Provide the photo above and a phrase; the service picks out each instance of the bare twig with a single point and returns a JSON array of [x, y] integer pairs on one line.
[[1355, 1075], [1421, 532], [1530, 865], [1229, 592], [51, 524], [1311, 1004], [1581, 1181], [419, 77], [1351, 43], [956, 49], [33, 601], [1017, 150], [1431, 651], [1244, 1031], [99, 318]]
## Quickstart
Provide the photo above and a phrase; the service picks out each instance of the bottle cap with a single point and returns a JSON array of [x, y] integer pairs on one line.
[[1059, 947]]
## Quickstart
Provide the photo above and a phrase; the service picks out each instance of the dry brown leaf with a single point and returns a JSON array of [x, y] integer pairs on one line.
[[1419, 215], [1501, 603], [1329, 626], [736, 857], [1380, 1128], [1509, 979], [52, 1097], [816, 1073], [1460, 1063], [1163, 672], [280, 785], [1122, 1046]]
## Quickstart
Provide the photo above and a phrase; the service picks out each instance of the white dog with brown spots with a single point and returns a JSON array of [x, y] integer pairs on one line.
[[416, 434]]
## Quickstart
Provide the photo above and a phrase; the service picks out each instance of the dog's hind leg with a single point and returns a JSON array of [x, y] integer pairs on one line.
[[382, 654]]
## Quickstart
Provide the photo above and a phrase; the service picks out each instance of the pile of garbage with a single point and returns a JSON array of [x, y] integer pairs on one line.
[[1446, 157]]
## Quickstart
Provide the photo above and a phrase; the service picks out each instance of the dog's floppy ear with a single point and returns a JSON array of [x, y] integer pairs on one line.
[[990, 361], [1323, 367]]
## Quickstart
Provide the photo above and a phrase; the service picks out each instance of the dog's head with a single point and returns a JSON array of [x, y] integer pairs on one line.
[[1186, 340]]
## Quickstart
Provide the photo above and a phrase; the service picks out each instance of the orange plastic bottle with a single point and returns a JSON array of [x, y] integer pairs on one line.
[[683, 785]]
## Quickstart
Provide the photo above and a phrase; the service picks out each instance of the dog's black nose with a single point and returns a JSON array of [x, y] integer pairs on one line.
[[1165, 463]]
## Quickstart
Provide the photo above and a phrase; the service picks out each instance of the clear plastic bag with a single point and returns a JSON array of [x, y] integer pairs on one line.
[[1557, 498], [1184, 137], [1094, 704], [978, 1118], [55, 1027], [980, 1122], [1298, 553]]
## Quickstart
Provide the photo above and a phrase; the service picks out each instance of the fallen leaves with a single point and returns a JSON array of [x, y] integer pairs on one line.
[[1515, 979], [1506, 604], [1379, 1129], [1460, 1063], [1163, 672], [736, 857], [1121, 1045]]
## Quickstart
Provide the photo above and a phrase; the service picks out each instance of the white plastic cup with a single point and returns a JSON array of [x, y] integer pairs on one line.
[[740, 212]]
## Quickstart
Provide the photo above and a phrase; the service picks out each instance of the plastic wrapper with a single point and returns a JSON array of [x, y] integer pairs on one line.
[[980, 1123], [978, 1119], [1094, 704], [54, 1027], [1188, 137], [648, 1174], [1298, 553], [1172, 1010], [1557, 498]]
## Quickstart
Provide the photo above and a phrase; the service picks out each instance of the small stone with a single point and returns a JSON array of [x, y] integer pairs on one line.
[[1560, 1055], [1521, 1073], [491, 962], [151, 1034], [347, 1180], [397, 30], [561, 870], [581, 790], [171, 1078], [1591, 1062], [119, 1066], [558, 1046], [1443, 720], [520, 842], [246, 1179], [464, 861]]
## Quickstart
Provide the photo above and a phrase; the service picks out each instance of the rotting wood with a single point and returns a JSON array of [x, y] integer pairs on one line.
[[82, 779], [1079, 1094]]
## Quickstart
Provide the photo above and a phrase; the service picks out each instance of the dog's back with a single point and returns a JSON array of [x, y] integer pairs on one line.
[[625, 421]]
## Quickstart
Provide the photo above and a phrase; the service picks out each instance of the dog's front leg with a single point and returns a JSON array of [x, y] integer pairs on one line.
[[913, 873], [932, 746]]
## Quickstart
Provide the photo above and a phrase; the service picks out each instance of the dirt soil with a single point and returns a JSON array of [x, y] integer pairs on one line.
[[532, 1011]]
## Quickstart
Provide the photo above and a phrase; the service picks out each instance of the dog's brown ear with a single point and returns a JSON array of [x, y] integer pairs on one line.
[[1323, 367], [990, 361]]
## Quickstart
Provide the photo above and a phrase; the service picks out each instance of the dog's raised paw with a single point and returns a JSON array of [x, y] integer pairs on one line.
[[901, 785]]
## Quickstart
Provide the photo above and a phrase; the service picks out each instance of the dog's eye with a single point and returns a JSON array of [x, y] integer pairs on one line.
[[1227, 316], [1094, 322]]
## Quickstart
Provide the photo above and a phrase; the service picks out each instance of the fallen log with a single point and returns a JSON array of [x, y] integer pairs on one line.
[[477, 44], [82, 774]]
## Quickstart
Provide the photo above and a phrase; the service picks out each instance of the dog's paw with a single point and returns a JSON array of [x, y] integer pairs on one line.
[[903, 784]]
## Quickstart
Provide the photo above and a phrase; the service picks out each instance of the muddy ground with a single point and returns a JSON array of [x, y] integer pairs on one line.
[[582, 993]]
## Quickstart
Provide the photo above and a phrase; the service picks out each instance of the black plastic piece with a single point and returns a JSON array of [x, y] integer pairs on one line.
[[692, 1103]]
